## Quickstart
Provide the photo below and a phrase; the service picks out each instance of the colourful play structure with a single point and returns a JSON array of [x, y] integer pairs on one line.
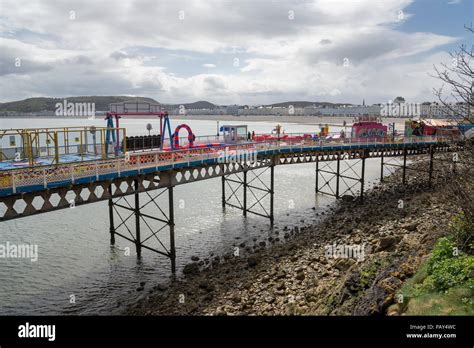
[[368, 127], [51, 146], [191, 136], [428, 127], [117, 110]]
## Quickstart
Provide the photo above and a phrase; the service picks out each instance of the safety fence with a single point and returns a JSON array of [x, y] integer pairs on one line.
[[50, 144], [11, 180]]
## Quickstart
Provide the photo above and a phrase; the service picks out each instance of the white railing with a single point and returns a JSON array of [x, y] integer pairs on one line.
[[139, 161]]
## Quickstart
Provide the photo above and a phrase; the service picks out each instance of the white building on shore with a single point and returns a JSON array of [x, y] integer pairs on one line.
[[428, 110], [272, 111], [348, 111], [437, 110]]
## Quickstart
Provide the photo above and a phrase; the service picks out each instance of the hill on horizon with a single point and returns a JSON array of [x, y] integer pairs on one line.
[[49, 104], [201, 104], [40, 104]]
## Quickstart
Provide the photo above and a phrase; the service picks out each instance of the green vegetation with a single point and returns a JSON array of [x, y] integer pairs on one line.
[[447, 267], [455, 301], [463, 232], [367, 274], [444, 284]]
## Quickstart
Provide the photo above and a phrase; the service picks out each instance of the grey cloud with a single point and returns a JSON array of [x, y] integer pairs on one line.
[[10, 60], [213, 83], [371, 46], [79, 60], [118, 55]]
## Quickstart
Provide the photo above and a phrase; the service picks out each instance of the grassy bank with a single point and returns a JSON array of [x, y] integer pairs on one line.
[[444, 284]]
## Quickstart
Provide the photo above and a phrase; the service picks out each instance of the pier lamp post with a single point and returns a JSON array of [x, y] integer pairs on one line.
[[149, 127]]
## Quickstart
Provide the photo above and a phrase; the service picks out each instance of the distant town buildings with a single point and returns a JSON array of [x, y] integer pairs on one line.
[[271, 110], [396, 108], [435, 110], [423, 110], [348, 111], [204, 111], [232, 110]]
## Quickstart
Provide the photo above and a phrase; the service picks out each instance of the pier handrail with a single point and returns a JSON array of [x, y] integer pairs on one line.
[[138, 161]]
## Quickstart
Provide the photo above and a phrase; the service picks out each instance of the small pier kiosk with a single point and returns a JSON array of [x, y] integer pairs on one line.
[[234, 134]]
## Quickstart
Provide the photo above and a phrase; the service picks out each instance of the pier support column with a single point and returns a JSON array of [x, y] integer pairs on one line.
[[317, 174], [153, 213], [138, 245], [111, 217], [430, 172], [404, 180], [362, 179], [245, 193], [338, 175], [223, 192], [251, 190], [272, 191], [381, 167], [172, 253]]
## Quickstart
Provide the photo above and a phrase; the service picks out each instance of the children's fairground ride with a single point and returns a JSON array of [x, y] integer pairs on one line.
[[130, 109], [117, 110]]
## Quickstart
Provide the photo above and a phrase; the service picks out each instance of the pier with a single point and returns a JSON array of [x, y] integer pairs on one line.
[[133, 180], [44, 170]]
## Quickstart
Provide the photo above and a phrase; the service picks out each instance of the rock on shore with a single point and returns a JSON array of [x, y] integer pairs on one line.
[[298, 277]]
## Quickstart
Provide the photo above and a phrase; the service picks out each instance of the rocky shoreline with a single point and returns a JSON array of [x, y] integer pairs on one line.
[[392, 231]]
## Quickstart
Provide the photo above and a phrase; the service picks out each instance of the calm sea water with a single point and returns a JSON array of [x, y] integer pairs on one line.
[[75, 259]]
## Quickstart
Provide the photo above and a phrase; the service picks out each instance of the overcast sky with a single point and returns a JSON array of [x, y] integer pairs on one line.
[[228, 51]]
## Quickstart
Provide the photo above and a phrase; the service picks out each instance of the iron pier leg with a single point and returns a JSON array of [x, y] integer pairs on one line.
[[245, 193], [171, 224], [430, 177], [111, 217], [317, 174], [381, 168], [337, 175], [137, 220], [272, 191], [362, 180], [223, 192], [404, 165]]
